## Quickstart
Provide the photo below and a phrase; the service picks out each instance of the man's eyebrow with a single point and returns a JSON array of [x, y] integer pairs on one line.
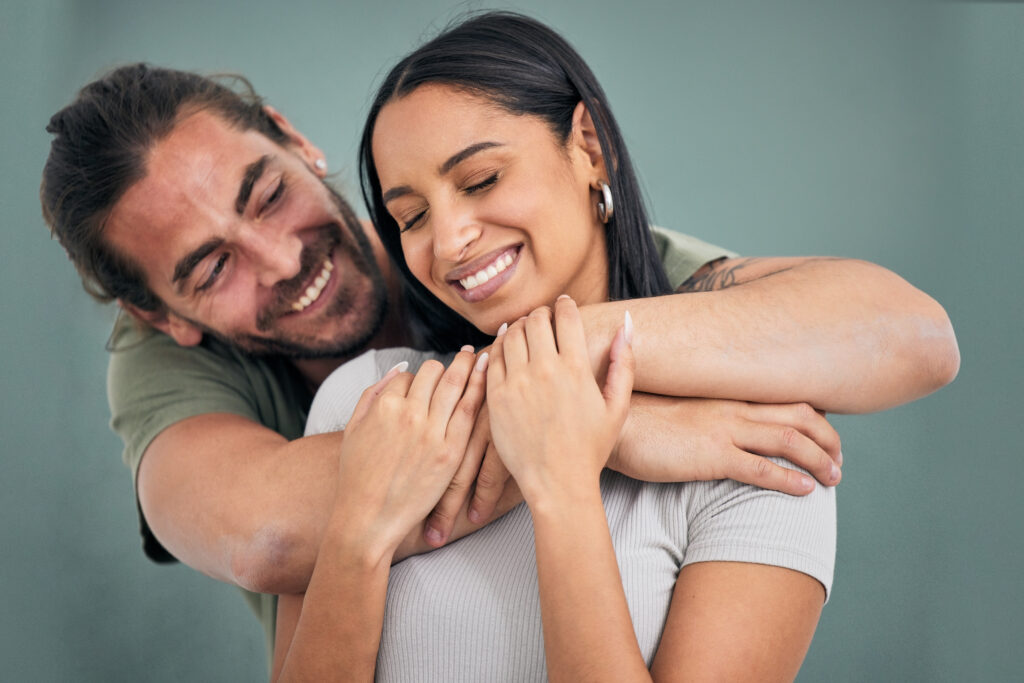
[[252, 173], [183, 269], [452, 161]]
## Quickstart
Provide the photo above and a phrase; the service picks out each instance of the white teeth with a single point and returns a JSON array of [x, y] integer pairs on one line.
[[312, 292], [485, 274]]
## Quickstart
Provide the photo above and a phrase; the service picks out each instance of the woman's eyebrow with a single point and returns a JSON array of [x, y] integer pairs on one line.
[[452, 161], [459, 157]]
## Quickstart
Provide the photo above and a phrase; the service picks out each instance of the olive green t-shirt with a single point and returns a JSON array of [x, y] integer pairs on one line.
[[153, 383]]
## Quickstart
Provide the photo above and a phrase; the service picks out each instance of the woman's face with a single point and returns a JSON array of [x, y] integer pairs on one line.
[[497, 217]]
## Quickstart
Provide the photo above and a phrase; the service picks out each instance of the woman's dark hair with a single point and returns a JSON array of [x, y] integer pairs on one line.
[[526, 68], [98, 151]]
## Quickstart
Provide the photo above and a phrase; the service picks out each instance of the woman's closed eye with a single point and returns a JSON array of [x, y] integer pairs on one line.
[[483, 185]]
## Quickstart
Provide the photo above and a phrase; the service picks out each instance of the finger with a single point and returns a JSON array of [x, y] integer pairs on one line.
[[490, 483], [496, 364], [452, 384], [516, 352], [572, 342], [785, 441], [374, 390], [540, 338], [618, 384], [441, 521], [761, 472], [425, 382], [804, 417]]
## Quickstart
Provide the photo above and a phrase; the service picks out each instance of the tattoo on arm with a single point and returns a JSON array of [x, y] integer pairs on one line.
[[729, 272]]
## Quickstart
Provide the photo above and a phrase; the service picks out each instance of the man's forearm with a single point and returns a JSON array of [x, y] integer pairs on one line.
[[242, 504], [843, 335]]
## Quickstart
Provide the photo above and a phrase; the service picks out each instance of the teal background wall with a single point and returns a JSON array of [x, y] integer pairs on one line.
[[890, 131]]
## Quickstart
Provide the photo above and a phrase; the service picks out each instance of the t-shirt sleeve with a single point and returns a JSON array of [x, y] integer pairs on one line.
[[734, 522], [683, 255], [153, 383], [338, 395]]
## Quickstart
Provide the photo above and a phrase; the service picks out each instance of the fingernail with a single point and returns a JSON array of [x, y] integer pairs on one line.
[[502, 329], [563, 296], [806, 483], [467, 347], [627, 327], [474, 515], [433, 535], [399, 367], [839, 460], [835, 473], [481, 362]]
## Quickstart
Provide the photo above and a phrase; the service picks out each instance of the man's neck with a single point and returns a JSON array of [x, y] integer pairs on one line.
[[393, 332]]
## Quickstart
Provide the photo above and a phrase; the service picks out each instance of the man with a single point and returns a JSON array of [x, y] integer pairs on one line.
[[205, 215]]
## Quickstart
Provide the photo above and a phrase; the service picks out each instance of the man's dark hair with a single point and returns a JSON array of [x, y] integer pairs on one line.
[[99, 151], [524, 67]]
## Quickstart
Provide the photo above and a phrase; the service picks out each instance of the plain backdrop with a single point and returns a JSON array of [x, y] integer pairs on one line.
[[889, 131]]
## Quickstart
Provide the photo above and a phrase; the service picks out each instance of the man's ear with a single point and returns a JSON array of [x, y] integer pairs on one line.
[[584, 136], [309, 152], [177, 328]]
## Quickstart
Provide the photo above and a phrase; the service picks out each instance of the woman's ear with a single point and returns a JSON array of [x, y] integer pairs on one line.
[[177, 328], [309, 152], [584, 136]]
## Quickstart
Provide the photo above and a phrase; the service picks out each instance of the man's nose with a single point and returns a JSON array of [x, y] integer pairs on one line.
[[454, 232], [276, 254]]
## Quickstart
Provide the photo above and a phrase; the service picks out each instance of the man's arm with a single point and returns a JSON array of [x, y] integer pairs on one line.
[[844, 335]]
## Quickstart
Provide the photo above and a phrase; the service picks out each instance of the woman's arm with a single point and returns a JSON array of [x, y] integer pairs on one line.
[[554, 428], [843, 335], [729, 619], [406, 438]]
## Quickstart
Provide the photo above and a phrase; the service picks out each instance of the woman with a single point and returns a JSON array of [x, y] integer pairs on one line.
[[490, 192]]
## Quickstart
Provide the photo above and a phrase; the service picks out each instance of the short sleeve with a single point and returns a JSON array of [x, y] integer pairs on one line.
[[153, 383], [683, 255], [734, 522]]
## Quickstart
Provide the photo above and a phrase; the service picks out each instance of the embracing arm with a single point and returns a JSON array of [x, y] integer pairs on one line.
[[844, 335]]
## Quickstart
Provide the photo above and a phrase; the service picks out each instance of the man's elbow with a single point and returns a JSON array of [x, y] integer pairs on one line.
[[274, 560], [937, 353]]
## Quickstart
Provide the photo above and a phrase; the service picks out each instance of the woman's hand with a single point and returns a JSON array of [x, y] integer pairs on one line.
[[698, 439], [403, 445], [553, 426]]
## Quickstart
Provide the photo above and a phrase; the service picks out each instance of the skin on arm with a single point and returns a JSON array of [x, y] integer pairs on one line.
[[727, 621], [402, 447], [843, 335], [219, 492]]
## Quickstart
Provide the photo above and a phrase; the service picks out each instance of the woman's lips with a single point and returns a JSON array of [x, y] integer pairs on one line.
[[479, 280]]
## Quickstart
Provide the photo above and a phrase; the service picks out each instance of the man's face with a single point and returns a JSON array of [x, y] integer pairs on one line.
[[240, 239]]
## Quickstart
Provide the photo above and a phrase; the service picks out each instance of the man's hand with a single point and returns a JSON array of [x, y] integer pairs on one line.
[[689, 439]]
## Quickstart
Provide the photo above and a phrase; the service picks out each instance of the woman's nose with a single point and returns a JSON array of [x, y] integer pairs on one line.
[[453, 235]]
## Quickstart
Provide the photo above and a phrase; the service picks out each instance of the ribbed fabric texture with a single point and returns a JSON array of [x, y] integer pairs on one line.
[[471, 611]]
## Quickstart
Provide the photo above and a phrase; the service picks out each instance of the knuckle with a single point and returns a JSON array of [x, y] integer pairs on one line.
[[762, 468], [788, 437]]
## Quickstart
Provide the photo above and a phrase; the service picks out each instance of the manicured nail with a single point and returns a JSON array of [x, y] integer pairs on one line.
[[399, 367], [502, 330], [627, 328], [481, 362], [467, 347], [564, 296], [433, 535]]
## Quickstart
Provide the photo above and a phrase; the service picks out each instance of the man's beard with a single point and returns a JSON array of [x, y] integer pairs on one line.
[[301, 347]]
